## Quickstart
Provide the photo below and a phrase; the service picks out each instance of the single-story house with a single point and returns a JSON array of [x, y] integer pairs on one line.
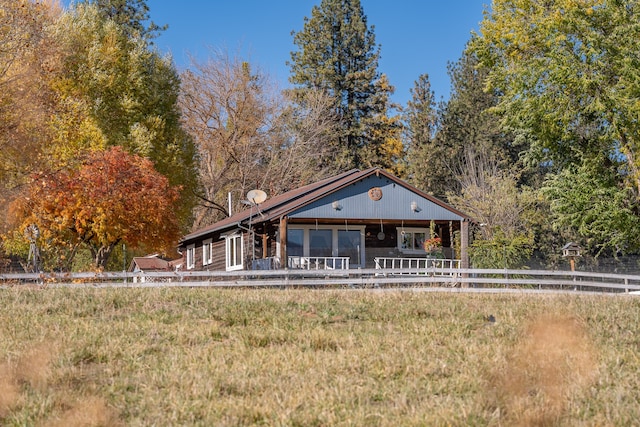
[[357, 219]]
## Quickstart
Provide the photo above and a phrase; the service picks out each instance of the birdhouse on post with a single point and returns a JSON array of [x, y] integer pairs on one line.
[[572, 251]]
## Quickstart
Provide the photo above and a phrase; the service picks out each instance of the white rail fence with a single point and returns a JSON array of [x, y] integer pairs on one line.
[[433, 277]]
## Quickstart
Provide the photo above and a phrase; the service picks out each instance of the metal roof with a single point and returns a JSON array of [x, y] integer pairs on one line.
[[286, 203], [151, 263], [269, 205]]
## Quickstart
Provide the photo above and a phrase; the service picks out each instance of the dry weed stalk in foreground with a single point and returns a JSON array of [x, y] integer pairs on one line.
[[91, 412], [9, 390], [31, 371], [553, 361]]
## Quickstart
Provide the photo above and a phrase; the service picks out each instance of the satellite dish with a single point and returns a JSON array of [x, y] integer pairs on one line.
[[256, 196]]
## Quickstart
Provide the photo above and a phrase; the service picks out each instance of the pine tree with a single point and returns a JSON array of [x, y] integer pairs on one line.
[[420, 119], [464, 133], [384, 132], [130, 15], [338, 55]]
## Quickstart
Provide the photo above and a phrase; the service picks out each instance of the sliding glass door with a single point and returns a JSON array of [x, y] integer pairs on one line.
[[327, 241], [349, 245]]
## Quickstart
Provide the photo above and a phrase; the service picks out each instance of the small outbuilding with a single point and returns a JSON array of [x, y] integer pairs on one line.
[[152, 263]]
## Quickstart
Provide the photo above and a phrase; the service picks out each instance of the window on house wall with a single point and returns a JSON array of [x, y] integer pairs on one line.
[[295, 242], [207, 252], [411, 240], [191, 257], [349, 245], [320, 243], [234, 252]]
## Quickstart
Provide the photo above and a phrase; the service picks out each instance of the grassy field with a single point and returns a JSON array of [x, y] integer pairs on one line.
[[168, 357]]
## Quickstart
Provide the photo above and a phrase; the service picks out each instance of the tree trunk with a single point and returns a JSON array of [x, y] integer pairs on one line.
[[631, 162], [102, 254]]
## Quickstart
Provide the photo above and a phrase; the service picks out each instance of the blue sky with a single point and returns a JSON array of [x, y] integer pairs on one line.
[[416, 36]]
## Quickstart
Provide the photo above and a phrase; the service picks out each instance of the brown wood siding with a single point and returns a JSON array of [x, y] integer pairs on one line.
[[197, 258], [219, 256]]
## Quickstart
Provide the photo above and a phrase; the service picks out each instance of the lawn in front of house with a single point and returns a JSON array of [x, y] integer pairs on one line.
[[167, 357]]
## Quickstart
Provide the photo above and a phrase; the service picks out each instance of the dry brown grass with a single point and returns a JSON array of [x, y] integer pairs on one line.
[[138, 357]]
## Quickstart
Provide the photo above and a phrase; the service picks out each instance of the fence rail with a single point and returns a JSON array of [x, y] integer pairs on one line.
[[358, 278]]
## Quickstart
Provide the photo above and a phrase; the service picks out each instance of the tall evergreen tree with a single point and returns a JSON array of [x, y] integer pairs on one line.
[[420, 121], [466, 137], [384, 132], [130, 15], [338, 54]]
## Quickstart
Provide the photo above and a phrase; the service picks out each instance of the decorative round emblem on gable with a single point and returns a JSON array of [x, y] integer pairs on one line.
[[375, 193]]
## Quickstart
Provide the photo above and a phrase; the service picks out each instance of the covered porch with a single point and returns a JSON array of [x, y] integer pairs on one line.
[[366, 244]]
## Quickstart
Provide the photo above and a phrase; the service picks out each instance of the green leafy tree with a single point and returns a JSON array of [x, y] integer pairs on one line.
[[569, 73], [501, 251], [114, 89], [338, 55], [591, 205]]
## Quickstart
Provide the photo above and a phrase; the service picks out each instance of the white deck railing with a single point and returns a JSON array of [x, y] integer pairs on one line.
[[424, 264], [318, 263]]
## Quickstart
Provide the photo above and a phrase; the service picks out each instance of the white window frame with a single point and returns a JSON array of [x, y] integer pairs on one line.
[[191, 257], [207, 252], [410, 230], [231, 245]]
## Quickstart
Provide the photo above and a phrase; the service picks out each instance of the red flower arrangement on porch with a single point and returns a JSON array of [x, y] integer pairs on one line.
[[433, 244]]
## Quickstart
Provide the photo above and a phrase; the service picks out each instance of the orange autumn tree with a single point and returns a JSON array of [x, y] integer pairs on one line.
[[113, 197]]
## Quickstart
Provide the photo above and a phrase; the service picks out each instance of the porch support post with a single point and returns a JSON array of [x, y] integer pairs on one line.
[[284, 262], [464, 246], [265, 245]]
